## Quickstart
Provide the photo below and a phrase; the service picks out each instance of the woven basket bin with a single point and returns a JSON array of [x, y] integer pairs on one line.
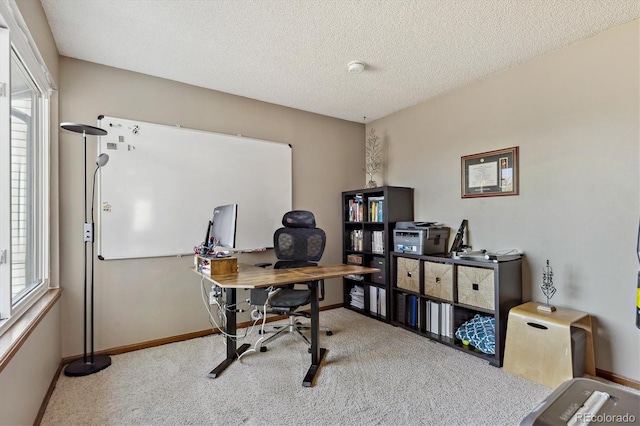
[[438, 280], [476, 287], [408, 274]]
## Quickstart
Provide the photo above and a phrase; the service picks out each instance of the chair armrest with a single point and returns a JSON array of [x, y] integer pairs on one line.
[[263, 265]]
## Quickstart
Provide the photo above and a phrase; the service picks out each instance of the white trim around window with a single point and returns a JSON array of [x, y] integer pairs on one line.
[[15, 37]]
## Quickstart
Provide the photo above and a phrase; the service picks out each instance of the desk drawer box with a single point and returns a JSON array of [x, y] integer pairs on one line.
[[408, 274], [438, 280], [476, 287], [380, 263], [210, 266]]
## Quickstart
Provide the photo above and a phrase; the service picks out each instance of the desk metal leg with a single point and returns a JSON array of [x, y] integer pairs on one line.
[[232, 353], [317, 353]]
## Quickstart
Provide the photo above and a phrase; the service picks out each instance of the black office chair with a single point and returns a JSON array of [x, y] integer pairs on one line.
[[298, 244]]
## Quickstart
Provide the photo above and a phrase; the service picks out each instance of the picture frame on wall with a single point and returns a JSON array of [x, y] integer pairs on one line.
[[490, 174]]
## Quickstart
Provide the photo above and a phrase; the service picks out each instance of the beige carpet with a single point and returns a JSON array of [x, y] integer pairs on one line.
[[373, 373]]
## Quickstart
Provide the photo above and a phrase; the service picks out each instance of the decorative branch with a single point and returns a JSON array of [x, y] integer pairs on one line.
[[373, 162]]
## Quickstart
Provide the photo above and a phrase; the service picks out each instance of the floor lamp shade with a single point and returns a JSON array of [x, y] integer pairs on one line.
[[90, 362]]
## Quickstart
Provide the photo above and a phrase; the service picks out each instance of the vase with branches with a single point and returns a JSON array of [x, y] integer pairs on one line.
[[373, 162]]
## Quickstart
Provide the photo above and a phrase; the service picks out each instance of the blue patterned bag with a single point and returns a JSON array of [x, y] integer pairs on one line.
[[480, 332]]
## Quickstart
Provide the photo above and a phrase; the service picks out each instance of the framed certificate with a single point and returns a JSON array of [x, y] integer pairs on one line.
[[490, 174]]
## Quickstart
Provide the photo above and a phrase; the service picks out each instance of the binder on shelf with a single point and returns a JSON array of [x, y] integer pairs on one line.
[[401, 308], [446, 320], [382, 296], [414, 311], [427, 318], [377, 301], [435, 317]]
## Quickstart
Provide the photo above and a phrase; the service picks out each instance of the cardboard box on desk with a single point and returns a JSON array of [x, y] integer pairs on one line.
[[216, 265]]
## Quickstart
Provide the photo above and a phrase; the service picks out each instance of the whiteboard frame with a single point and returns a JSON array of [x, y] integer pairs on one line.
[[263, 194]]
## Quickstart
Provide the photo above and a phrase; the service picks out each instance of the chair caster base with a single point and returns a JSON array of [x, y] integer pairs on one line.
[[263, 348]]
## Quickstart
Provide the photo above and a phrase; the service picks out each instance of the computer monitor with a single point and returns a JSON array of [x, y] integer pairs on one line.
[[223, 225]]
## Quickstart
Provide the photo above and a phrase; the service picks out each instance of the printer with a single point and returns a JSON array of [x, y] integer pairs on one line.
[[421, 238]]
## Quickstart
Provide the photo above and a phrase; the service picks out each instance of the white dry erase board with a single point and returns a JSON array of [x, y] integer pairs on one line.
[[158, 191]]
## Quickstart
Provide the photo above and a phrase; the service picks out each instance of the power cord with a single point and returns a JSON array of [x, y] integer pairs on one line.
[[222, 308], [256, 315]]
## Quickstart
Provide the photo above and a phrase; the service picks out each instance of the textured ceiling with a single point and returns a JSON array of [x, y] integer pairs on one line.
[[295, 52]]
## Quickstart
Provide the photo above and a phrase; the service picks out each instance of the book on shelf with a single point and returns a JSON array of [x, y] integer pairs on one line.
[[356, 209], [376, 209], [356, 239], [377, 242]]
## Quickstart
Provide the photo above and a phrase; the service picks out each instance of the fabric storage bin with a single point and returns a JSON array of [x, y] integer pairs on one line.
[[476, 287], [438, 280], [408, 274]]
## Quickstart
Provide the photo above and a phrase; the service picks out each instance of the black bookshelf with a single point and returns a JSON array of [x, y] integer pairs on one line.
[[369, 217]]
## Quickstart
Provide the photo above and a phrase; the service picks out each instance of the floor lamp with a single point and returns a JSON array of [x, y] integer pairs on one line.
[[90, 363]]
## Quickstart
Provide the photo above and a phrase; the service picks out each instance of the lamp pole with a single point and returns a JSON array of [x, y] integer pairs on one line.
[[90, 363]]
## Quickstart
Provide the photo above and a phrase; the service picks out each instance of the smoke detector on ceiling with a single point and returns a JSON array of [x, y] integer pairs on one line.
[[356, 67]]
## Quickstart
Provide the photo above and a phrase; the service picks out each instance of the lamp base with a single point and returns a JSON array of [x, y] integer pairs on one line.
[[81, 368]]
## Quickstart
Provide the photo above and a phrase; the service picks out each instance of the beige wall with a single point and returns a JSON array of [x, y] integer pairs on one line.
[[574, 114], [25, 380], [139, 300]]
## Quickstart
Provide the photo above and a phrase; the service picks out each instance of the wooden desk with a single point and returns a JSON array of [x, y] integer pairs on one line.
[[249, 276], [538, 345]]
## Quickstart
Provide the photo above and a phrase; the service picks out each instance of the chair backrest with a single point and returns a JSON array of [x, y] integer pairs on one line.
[[299, 243]]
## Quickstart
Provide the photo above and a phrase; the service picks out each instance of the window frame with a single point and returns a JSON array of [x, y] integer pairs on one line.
[[15, 36]]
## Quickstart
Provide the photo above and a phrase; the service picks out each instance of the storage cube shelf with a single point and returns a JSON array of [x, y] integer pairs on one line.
[[369, 217], [476, 287], [447, 292], [438, 280]]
